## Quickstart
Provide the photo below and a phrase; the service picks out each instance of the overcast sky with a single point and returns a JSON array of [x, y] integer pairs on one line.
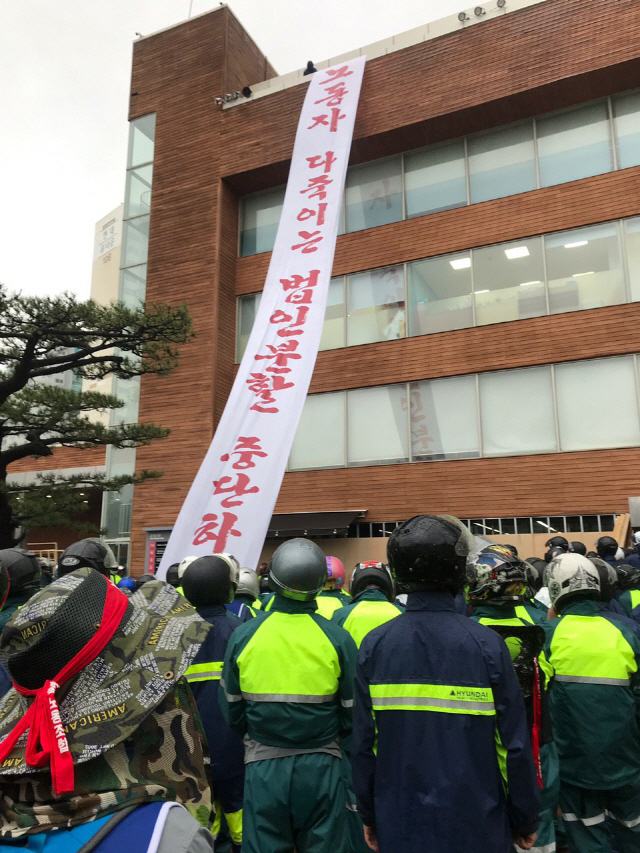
[[65, 68]]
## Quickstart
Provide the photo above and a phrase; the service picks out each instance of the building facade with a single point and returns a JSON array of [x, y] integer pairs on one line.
[[481, 342]]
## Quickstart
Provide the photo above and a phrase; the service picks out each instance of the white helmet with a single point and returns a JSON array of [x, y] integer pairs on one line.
[[571, 574], [249, 583], [184, 565]]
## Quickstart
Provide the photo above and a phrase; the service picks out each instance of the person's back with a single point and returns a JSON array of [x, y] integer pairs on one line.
[[333, 596], [441, 754], [593, 658], [372, 594]]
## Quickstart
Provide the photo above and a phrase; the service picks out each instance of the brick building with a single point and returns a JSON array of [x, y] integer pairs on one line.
[[480, 351]]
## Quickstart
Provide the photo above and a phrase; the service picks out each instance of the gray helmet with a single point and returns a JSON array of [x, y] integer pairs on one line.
[[248, 583], [298, 570], [91, 552]]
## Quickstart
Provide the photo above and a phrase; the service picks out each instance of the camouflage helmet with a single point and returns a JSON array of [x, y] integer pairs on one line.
[[113, 695]]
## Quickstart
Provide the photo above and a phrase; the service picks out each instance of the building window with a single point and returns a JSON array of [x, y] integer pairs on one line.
[[142, 137], [377, 425], [374, 194], [502, 413], [444, 419], [585, 268], [597, 404], [435, 179], [501, 163], [136, 241], [440, 294], [334, 329], [626, 119], [508, 282], [320, 437], [574, 144], [260, 218], [516, 411], [376, 306], [632, 245], [247, 311], [138, 191]]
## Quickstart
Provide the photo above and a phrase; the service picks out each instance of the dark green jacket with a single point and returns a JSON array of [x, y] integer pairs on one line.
[[13, 603], [593, 658], [629, 600], [287, 678], [367, 611]]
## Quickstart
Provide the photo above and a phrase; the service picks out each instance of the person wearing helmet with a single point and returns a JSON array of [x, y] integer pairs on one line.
[[556, 542], [372, 595], [127, 585], [243, 605], [496, 583], [288, 691], [24, 580], [578, 548], [172, 577], [333, 596], [437, 677], [633, 557], [91, 553], [593, 659], [209, 584], [607, 549], [183, 565], [628, 589], [511, 548]]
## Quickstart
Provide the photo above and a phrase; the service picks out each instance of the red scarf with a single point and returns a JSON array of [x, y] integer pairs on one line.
[[47, 741]]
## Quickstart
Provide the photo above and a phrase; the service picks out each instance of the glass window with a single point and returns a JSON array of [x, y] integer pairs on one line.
[[247, 310], [128, 392], [319, 441], [444, 419], [501, 163], [376, 306], [440, 294], [626, 119], [377, 425], [632, 246], [374, 194], [584, 268], [574, 144], [138, 192], [508, 281], [508, 525], [590, 523], [435, 179], [333, 331], [574, 524], [260, 218], [516, 411], [133, 283], [136, 241], [523, 525], [142, 136], [585, 423]]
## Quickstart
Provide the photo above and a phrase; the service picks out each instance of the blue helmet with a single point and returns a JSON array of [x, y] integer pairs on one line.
[[127, 583]]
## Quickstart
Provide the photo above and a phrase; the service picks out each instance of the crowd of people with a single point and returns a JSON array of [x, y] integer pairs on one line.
[[457, 698]]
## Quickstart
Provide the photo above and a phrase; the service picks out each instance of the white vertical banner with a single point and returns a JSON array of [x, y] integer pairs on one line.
[[230, 502]]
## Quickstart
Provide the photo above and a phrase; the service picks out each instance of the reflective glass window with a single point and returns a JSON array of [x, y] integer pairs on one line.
[[516, 412], [574, 144], [501, 163], [626, 119], [135, 241], [585, 423], [435, 179], [138, 192], [333, 331], [319, 441], [133, 283], [584, 268], [142, 136], [260, 218], [376, 306], [378, 429], [440, 294], [247, 310], [508, 281], [632, 247], [128, 392], [374, 194], [444, 419]]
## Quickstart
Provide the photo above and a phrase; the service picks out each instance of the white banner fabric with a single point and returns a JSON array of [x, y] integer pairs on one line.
[[230, 503]]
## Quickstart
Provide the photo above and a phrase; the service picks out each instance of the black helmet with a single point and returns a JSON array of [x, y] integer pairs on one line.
[[554, 552], [210, 580], [578, 548], [5, 584], [608, 578], [172, 575], [511, 548], [298, 570], [143, 579], [628, 576], [372, 573], [430, 552], [93, 553], [557, 542], [606, 546], [23, 568], [497, 575], [535, 573]]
